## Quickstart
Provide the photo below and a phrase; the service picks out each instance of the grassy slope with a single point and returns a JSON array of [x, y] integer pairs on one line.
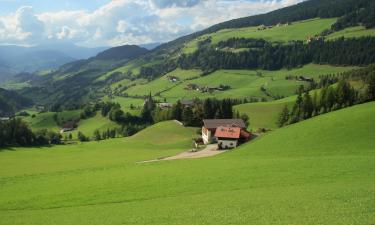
[[320, 171], [162, 83], [264, 114], [98, 122], [352, 32], [46, 121], [296, 31], [245, 83]]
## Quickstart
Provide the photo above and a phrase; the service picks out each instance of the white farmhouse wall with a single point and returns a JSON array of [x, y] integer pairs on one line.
[[206, 136]]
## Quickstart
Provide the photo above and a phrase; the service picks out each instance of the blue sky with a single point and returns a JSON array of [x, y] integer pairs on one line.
[[95, 23]]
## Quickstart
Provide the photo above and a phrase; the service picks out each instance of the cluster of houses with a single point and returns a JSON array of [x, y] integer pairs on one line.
[[205, 89], [227, 133], [264, 27], [314, 38]]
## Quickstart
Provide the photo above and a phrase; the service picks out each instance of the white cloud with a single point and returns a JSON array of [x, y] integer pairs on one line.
[[127, 21]]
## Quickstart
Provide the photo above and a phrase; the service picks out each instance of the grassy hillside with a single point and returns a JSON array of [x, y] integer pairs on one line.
[[264, 114], [319, 171], [88, 126], [352, 32], [243, 83], [296, 31], [46, 120]]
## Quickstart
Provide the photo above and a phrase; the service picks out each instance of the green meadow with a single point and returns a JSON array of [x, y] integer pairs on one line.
[[296, 31], [163, 83], [352, 32], [243, 83], [264, 114], [88, 126], [46, 121], [319, 171]]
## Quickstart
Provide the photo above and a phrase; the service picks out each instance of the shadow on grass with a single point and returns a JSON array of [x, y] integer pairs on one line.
[[15, 148]]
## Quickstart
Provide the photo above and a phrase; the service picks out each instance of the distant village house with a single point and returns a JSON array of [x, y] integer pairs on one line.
[[173, 78], [68, 126], [187, 103], [165, 105]]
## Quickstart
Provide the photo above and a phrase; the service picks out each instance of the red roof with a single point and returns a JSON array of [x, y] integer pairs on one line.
[[245, 134], [228, 132]]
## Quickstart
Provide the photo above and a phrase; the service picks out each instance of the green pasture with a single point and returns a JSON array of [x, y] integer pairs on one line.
[[264, 114], [163, 83], [296, 31], [319, 171], [247, 83], [88, 126], [46, 121], [352, 32]]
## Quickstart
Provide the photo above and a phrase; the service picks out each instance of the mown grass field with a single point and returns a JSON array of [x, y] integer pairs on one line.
[[320, 171], [296, 31], [243, 83]]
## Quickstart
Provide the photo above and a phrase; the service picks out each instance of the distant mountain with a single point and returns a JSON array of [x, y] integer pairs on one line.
[[15, 59], [121, 52], [10, 102], [150, 46], [72, 50], [71, 83]]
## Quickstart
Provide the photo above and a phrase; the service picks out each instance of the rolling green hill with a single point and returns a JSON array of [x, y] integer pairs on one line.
[[243, 83], [88, 126], [264, 114], [300, 30], [312, 172]]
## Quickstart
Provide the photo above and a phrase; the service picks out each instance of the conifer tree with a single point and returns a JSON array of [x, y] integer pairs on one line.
[[283, 117], [308, 106], [188, 116]]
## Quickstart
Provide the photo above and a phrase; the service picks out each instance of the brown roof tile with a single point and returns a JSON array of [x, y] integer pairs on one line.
[[215, 123]]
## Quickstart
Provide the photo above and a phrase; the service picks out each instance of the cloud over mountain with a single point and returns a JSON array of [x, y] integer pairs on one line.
[[126, 21]]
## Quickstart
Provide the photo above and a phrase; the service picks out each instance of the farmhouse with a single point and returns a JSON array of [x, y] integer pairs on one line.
[[187, 103], [173, 78], [224, 131], [68, 126]]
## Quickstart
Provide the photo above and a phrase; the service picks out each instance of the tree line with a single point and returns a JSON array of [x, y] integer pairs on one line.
[[193, 115], [330, 98], [353, 51], [15, 132]]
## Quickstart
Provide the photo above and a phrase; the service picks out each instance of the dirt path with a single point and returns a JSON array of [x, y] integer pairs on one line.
[[210, 150]]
